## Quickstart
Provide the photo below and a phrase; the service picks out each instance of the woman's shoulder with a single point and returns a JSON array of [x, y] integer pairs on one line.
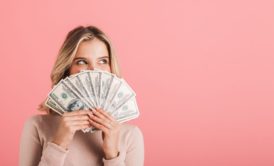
[[132, 138], [131, 131], [40, 120], [129, 127]]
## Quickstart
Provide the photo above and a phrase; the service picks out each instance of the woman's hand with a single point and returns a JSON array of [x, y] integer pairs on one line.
[[69, 123], [111, 129]]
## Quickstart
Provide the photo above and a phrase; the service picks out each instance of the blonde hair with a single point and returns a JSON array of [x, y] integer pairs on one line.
[[68, 51]]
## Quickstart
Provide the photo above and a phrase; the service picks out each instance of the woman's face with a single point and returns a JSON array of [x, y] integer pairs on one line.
[[91, 54]]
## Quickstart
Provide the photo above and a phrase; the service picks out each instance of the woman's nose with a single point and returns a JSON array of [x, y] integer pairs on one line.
[[91, 66]]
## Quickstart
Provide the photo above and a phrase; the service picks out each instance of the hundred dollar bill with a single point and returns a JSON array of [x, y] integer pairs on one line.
[[67, 99], [85, 84], [106, 81], [95, 77], [127, 111], [92, 89], [74, 84], [123, 94], [114, 87], [52, 105]]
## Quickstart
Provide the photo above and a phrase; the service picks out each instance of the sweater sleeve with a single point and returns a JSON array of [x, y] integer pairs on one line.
[[31, 149], [134, 156]]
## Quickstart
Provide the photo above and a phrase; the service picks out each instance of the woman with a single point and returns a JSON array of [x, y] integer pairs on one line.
[[54, 140]]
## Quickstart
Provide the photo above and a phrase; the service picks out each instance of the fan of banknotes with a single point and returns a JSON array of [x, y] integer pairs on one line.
[[92, 89]]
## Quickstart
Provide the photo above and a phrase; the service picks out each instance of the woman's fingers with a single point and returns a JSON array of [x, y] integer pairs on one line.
[[98, 114], [103, 115], [99, 110], [76, 118], [77, 113], [81, 126], [103, 118], [75, 123], [69, 123], [102, 121], [99, 126], [97, 118]]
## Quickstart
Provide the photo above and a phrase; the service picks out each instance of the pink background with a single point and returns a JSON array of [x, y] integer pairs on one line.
[[203, 71]]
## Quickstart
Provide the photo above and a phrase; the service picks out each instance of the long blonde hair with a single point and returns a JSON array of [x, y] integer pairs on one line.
[[69, 48]]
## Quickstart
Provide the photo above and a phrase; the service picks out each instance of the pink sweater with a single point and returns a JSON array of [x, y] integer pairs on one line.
[[36, 147]]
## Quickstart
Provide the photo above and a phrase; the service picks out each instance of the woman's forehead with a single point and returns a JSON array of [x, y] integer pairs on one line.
[[94, 48]]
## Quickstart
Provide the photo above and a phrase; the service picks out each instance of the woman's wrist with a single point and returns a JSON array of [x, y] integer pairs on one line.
[[61, 143], [112, 155]]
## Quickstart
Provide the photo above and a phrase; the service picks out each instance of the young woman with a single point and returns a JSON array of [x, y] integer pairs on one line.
[[54, 140]]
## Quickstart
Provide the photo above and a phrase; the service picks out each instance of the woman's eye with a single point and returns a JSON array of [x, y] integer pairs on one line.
[[103, 61], [81, 62]]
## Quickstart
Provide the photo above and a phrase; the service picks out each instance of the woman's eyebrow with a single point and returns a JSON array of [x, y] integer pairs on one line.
[[103, 57], [79, 58]]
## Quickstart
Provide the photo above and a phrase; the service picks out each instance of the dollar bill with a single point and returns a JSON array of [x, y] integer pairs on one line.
[[52, 105], [106, 81], [95, 78], [68, 100], [65, 98], [114, 87], [123, 94], [76, 86], [85, 82], [91, 89], [127, 111]]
